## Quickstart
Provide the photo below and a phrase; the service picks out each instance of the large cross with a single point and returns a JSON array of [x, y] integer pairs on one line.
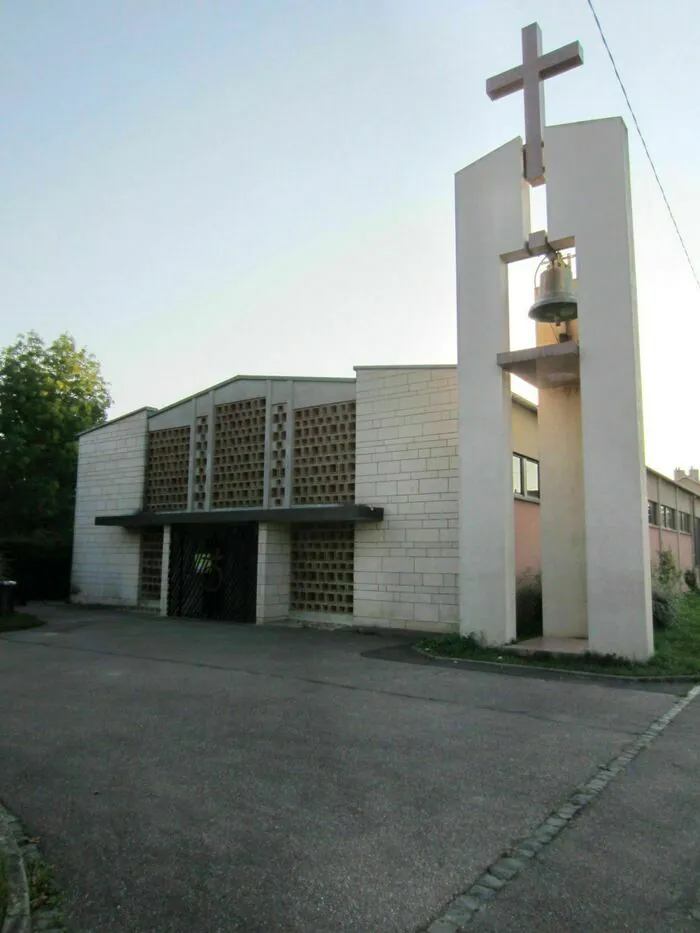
[[528, 77]]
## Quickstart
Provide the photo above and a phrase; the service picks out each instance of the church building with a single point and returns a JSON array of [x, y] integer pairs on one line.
[[317, 500]]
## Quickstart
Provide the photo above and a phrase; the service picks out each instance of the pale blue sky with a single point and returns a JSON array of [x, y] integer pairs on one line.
[[200, 189]]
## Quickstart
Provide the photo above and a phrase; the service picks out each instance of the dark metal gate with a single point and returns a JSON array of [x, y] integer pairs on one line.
[[213, 572]]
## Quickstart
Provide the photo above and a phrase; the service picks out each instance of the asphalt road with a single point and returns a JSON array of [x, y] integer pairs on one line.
[[190, 776]]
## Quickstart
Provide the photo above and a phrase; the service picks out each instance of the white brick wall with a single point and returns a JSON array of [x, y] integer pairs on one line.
[[274, 572], [406, 566], [111, 470]]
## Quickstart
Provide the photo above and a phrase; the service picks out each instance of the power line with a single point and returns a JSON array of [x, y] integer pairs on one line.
[[644, 143]]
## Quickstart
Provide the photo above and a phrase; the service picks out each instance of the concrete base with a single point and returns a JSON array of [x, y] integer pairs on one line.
[[550, 646]]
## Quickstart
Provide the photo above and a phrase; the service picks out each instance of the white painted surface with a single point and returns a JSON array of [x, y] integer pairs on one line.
[[562, 517], [274, 572], [588, 197], [492, 219], [111, 471]]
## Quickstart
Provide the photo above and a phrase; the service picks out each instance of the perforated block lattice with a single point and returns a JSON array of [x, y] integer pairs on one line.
[[239, 454], [278, 455], [201, 447], [167, 470], [324, 454], [151, 564], [322, 567]]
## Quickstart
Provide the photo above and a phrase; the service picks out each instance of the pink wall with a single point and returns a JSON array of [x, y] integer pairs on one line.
[[680, 545], [527, 536], [527, 540]]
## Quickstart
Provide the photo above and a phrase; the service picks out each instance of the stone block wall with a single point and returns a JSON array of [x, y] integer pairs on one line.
[[274, 569], [111, 476], [406, 566]]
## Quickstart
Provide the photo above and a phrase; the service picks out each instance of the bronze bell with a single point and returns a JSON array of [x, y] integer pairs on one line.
[[557, 302]]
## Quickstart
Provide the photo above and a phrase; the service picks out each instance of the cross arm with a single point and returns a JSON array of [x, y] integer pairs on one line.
[[505, 83], [560, 60]]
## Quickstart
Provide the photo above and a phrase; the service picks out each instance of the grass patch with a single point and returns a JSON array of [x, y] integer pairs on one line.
[[18, 621], [677, 650], [43, 892]]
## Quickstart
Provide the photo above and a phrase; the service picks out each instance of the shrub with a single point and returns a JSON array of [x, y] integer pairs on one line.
[[666, 574], [666, 591], [691, 580], [528, 605], [664, 609]]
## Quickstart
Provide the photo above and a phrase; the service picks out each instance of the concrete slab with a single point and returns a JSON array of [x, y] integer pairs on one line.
[[551, 645]]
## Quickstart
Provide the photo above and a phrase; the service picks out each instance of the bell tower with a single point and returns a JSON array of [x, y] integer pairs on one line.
[[585, 364]]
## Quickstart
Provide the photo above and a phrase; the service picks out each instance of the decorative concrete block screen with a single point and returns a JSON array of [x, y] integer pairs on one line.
[[151, 564], [322, 567], [239, 454], [201, 446], [167, 470], [278, 455], [324, 454]]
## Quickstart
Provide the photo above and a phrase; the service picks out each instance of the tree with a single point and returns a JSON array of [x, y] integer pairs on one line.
[[48, 394]]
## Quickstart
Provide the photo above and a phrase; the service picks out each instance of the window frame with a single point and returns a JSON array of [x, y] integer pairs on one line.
[[653, 512], [669, 519], [523, 461]]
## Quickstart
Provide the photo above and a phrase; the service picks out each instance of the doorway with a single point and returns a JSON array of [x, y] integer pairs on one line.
[[213, 572]]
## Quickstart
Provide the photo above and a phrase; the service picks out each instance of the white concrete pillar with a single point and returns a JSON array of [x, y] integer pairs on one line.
[[274, 572], [165, 570], [589, 198], [562, 514], [492, 221]]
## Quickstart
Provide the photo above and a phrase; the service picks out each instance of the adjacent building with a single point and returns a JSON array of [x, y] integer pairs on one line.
[[331, 500]]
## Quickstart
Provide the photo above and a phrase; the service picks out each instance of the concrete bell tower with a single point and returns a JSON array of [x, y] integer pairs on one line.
[[595, 546]]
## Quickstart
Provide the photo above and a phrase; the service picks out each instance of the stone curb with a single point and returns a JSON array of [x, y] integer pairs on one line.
[[37, 914], [459, 913], [507, 667], [18, 916]]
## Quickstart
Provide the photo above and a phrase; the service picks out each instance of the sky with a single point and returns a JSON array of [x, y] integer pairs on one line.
[[204, 188]]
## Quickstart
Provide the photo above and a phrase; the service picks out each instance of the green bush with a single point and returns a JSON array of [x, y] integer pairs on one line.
[[666, 591], [528, 605], [691, 580], [664, 608]]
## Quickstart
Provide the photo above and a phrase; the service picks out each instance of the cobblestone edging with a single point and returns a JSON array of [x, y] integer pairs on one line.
[[459, 913], [508, 667], [32, 906]]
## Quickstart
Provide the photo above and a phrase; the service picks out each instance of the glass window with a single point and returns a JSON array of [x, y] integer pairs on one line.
[[684, 520], [653, 508], [668, 517], [532, 478], [518, 475]]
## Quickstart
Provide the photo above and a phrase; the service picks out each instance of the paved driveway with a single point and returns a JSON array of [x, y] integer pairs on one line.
[[188, 776]]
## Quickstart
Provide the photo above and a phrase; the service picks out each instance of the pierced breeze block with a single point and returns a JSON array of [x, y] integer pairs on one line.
[[151, 564], [167, 471], [278, 455], [239, 454], [324, 454], [201, 447], [322, 567]]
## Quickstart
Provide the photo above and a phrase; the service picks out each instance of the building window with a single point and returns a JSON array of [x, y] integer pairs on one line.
[[518, 487], [684, 522], [668, 517], [653, 510], [526, 477]]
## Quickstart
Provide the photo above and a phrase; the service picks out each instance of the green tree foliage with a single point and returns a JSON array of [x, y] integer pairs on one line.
[[48, 394]]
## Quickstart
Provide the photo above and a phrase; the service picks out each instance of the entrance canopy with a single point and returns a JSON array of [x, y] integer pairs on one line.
[[348, 512]]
